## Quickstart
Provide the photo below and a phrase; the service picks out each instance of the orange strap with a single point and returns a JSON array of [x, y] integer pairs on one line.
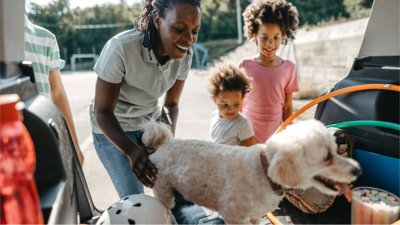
[[273, 219], [390, 87]]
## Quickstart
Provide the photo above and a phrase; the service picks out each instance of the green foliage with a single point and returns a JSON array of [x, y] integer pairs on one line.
[[88, 29], [358, 8], [316, 11], [83, 30], [56, 17], [218, 48], [218, 19], [94, 26], [366, 3]]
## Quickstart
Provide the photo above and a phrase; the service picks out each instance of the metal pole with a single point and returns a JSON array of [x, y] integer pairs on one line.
[[239, 21]]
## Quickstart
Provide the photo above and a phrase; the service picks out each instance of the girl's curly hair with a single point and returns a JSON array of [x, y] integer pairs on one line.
[[228, 78], [271, 11], [145, 22]]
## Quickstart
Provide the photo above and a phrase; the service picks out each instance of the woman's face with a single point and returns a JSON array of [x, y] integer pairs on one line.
[[178, 30]]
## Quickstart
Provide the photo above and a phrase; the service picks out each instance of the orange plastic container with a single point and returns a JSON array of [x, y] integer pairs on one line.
[[19, 197]]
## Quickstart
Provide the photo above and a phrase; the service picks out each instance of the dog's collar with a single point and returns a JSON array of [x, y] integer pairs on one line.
[[278, 189]]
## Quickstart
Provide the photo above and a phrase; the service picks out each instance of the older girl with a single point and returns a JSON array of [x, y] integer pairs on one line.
[[269, 23]]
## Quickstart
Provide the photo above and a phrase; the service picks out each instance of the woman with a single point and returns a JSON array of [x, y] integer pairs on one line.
[[135, 69]]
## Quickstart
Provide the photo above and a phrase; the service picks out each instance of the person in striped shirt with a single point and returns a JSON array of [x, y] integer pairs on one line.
[[42, 50]]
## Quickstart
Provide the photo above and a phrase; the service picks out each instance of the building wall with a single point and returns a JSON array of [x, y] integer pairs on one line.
[[325, 55]]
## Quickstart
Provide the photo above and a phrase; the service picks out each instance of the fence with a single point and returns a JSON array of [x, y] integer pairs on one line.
[[81, 56]]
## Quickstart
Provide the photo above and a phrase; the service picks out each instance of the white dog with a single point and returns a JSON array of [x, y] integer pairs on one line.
[[244, 183]]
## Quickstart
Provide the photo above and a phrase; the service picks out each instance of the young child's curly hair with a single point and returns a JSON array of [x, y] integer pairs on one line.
[[271, 11], [228, 78]]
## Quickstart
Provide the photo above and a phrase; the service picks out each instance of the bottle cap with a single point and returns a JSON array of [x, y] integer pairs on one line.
[[10, 108]]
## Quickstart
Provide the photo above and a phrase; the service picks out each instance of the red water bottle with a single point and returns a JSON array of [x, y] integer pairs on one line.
[[19, 197]]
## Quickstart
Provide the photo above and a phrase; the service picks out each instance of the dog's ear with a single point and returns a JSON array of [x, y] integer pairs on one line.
[[284, 169]]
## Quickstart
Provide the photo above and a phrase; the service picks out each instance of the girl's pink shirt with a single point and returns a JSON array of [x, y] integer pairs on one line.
[[264, 103]]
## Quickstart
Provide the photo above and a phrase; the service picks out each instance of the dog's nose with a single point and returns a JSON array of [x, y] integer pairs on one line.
[[356, 171]]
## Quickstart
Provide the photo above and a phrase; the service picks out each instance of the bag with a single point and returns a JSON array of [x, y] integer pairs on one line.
[[312, 200]]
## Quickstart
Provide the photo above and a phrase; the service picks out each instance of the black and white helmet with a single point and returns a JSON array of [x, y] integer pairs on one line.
[[135, 209]]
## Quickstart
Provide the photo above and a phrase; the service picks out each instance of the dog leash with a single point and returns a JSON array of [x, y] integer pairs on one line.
[[278, 189]]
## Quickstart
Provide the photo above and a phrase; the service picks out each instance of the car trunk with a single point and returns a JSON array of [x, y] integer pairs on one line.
[[375, 148]]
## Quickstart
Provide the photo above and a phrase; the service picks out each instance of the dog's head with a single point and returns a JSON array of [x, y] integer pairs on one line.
[[305, 155]]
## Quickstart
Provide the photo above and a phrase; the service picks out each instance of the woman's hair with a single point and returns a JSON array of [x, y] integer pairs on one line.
[[145, 22], [228, 78], [271, 11]]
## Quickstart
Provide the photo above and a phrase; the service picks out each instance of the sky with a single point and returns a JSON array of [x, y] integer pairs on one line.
[[86, 3]]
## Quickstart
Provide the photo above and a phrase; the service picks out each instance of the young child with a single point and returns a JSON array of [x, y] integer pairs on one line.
[[269, 23], [228, 87]]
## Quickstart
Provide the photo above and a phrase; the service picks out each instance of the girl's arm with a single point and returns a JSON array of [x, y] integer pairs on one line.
[[106, 98], [171, 102], [248, 142], [288, 106]]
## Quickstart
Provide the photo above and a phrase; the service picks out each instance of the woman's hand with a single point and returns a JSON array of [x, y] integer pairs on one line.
[[141, 165]]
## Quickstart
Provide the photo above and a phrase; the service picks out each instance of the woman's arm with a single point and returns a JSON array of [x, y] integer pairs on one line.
[[171, 102], [106, 98], [60, 99], [288, 106]]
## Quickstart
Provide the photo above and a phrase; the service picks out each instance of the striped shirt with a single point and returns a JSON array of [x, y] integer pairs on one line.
[[42, 50]]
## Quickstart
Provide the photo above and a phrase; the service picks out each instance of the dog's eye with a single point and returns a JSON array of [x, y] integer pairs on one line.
[[328, 157]]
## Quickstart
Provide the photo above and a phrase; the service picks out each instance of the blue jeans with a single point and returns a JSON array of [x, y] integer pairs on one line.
[[117, 164]]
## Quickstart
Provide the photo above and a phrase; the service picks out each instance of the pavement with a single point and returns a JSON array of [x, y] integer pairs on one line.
[[194, 117]]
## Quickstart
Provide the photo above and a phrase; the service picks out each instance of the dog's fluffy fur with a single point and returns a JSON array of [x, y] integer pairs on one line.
[[233, 181]]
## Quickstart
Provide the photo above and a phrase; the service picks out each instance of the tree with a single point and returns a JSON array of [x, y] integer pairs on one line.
[[366, 3], [218, 19], [84, 29], [89, 28], [95, 25], [316, 11], [56, 17]]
